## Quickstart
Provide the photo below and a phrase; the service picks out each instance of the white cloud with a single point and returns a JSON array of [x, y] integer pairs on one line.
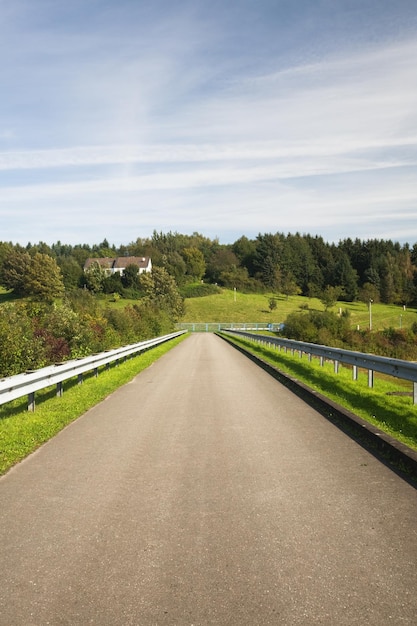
[[357, 103], [153, 116]]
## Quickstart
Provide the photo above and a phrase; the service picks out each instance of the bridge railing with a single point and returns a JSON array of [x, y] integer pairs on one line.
[[406, 370], [29, 382], [212, 327]]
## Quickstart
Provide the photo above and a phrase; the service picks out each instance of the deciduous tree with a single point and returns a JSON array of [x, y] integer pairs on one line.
[[329, 296], [94, 278], [195, 265], [161, 291], [43, 280], [14, 271]]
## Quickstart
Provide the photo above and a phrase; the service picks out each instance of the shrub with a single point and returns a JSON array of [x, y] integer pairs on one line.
[[322, 327], [327, 328], [197, 290], [20, 348]]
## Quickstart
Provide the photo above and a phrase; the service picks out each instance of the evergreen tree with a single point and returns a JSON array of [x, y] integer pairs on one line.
[[346, 277], [245, 250], [267, 259]]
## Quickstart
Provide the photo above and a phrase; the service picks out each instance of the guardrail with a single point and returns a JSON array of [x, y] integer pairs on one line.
[[31, 381], [398, 368], [211, 327]]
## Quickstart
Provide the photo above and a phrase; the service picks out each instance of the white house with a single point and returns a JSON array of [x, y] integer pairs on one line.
[[119, 264]]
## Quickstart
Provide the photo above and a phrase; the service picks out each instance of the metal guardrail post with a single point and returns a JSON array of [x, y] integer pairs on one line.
[[397, 368], [31, 401]]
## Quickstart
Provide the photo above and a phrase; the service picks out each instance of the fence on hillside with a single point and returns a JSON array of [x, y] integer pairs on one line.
[[212, 327]]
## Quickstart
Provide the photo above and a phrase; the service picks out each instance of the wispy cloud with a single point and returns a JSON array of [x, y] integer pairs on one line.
[[164, 117], [201, 153]]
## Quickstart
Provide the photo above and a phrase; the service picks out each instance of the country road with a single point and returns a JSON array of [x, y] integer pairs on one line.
[[205, 493]]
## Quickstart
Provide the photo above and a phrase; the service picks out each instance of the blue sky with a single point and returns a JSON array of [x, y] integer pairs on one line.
[[226, 118]]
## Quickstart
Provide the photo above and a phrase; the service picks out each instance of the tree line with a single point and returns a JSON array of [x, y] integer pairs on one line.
[[51, 316], [380, 270], [58, 313]]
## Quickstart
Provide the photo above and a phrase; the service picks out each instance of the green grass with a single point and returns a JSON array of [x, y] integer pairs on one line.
[[22, 432], [395, 415], [230, 307]]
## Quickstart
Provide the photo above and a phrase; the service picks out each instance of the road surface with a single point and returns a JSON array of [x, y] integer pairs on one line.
[[205, 493]]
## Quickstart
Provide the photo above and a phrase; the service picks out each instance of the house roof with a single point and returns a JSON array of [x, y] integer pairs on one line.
[[119, 262]]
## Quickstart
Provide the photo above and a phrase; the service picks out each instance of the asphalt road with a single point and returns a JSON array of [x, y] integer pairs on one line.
[[205, 493]]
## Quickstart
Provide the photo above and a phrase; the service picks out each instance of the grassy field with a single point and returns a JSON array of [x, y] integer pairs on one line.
[[230, 307]]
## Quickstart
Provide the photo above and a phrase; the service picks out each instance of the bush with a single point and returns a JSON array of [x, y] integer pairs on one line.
[[197, 290], [34, 335], [402, 342], [20, 348], [322, 327], [299, 327], [129, 293], [113, 284], [327, 328]]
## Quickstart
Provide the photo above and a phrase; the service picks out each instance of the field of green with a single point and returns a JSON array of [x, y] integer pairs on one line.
[[229, 306]]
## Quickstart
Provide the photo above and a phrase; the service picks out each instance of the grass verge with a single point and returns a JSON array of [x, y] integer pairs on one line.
[[22, 432], [393, 414]]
